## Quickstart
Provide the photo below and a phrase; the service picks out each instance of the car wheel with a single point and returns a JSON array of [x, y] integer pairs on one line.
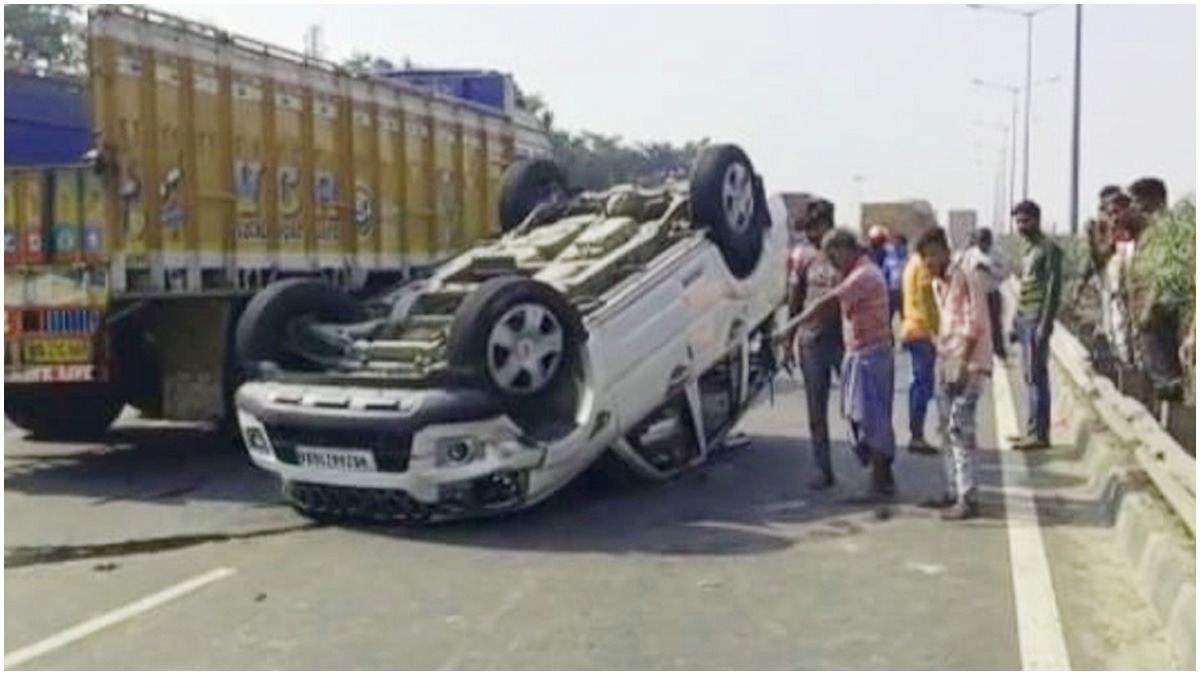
[[262, 330], [516, 337], [727, 200], [64, 416], [526, 184]]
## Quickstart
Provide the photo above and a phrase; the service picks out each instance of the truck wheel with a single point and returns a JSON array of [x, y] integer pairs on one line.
[[63, 415], [261, 333], [527, 183], [517, 337], [727, 200]]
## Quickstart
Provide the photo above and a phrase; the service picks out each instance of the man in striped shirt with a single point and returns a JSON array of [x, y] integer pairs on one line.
[[1037, 306]]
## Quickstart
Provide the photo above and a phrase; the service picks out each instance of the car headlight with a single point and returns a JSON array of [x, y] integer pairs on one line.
[[463, 450], [458, 450], [254, 434]]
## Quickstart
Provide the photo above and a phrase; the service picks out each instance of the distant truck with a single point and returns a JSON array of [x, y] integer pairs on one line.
[[145, 205], [961, 225], [909, 218]]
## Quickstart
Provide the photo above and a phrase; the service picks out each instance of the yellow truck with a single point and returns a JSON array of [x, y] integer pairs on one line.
[[220, 164]]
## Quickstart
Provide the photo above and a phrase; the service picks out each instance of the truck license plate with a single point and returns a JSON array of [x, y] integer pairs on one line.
[[335, 459], [58, 350]]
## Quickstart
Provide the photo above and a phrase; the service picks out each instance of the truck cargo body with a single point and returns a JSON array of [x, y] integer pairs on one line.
[[909, 218], [221, 164], [962, 224]]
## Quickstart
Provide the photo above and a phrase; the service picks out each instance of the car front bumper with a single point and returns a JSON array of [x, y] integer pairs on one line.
[[388, 454]]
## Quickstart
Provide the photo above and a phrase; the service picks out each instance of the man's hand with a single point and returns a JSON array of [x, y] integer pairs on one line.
[[1043, 332], [1187, 350]]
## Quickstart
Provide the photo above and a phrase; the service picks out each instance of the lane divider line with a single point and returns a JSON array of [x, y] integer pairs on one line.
[[1039, 626], [119, 615]]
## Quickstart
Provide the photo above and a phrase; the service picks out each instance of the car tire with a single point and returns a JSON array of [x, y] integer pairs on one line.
[[518, 338], [727, 200], [526, 184], [261, 330], [64, 415]]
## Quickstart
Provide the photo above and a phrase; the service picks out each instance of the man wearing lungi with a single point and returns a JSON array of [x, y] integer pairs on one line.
[[868, 370]]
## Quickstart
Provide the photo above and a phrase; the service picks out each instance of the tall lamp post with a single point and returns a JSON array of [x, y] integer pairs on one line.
[[1029, 15], [1015, 91], [1075, 120], [1006, 166]]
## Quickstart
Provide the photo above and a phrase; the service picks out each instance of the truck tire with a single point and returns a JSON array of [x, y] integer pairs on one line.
[[262, 328], [517, 338], [526, 184], [63, 415], [727, 201]]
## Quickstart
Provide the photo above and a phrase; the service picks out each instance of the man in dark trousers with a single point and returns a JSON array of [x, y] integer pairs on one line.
[[997, 271], [818, 344], [1037, 305]]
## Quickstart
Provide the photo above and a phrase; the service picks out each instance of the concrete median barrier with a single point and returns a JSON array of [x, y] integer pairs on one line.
[[1146, 484]]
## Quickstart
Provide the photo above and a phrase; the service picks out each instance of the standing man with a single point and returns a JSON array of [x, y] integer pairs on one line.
[[818, 343], [1037, 305], [1124, 228], [1101, 248], [918, 327], [964, 352], [1157, 310], [997, 272], [868, 370], [877, 237], [895, 254]]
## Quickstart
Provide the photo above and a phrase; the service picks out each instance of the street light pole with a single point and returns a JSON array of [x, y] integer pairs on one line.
[[1028, 102], [1015, 93], [1075, 120], [1029, 16]]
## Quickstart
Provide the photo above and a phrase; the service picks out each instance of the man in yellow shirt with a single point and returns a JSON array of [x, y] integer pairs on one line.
[[918, 327]]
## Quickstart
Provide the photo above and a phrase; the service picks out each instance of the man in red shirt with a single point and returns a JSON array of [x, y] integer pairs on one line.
[[868, 371]]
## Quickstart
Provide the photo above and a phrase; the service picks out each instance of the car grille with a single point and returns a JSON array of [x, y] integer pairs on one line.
[[354, 503], [391, 451]]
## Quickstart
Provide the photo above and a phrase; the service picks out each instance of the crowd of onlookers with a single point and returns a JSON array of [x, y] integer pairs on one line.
[[846, 291], [1147, 310]]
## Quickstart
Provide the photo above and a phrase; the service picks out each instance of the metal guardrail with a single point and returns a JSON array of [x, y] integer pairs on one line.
[[1170, 468]]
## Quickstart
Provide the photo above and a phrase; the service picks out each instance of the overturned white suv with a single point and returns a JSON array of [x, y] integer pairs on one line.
[[634, 322]]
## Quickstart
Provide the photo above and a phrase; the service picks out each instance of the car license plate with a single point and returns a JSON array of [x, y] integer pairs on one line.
[[335, 459], [58, 350]]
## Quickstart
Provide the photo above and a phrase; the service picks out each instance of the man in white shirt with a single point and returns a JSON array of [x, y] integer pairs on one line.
[[997, 273]]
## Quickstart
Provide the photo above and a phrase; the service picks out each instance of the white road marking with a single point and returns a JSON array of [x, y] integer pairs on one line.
[[930, 569], [1039, 627], [83, 630]]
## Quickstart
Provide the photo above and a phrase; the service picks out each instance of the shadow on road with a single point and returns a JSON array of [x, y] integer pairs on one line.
[[750, 500], [153, 463]]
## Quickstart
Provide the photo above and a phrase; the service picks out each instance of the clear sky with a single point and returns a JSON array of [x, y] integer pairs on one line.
[[818, 94]]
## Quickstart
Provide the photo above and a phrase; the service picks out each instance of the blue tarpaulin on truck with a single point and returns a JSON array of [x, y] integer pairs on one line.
[[483, 87], [46, 120]]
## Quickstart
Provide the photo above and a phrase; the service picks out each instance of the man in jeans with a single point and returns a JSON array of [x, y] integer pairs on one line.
[[918, 326], [868, 370], [818, 344], [964, 347], [1037, 305]]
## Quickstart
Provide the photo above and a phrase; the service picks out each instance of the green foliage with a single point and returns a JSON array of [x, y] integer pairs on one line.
[[594, 161], [1168, 260], [363, 63], [48, 38]]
